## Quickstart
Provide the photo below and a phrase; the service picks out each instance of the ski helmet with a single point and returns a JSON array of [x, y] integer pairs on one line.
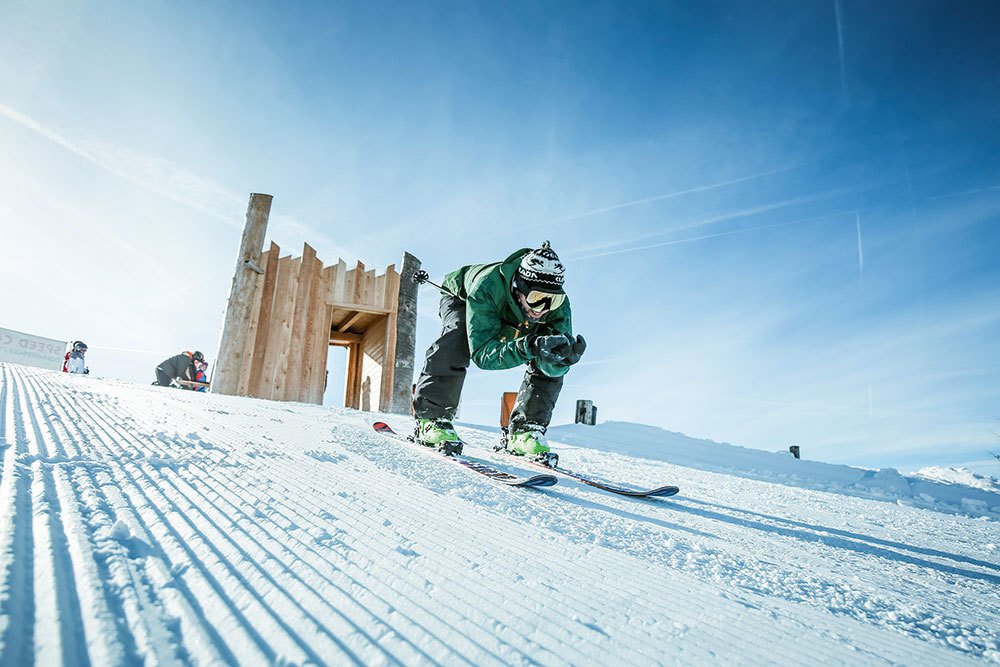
[[540, 270], [198, 356], [79, 346]]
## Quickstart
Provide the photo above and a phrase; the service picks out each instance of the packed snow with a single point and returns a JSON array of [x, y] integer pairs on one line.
[[144, 525]]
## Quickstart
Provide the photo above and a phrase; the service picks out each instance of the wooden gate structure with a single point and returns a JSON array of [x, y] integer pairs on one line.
[[284, 313]]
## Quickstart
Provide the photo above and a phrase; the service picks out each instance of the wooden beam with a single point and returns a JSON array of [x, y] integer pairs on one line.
[[344, 338], [233, 342], [350, 322], [264, 319], [375, 310]]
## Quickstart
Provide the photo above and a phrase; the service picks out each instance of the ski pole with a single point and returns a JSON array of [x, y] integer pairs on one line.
[[421, 277]]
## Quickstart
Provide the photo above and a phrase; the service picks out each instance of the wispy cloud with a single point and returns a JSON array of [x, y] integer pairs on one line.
[[746, 230], [154, 174], [169, 180]]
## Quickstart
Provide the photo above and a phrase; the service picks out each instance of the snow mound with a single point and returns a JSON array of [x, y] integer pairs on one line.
[[941, 489]]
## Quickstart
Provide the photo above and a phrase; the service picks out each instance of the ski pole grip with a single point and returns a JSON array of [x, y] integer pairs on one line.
[[420, 277]]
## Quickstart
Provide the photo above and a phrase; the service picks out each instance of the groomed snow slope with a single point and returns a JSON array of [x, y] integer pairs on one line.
[[147, 525]]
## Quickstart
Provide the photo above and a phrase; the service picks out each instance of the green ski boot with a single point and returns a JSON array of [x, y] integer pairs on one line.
[[533, 445], [438, 433]]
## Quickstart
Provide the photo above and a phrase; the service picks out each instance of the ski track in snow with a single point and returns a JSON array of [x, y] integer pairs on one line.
[[145, 525]]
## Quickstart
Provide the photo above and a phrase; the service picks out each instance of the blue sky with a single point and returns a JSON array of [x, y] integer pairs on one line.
[[780, 219]]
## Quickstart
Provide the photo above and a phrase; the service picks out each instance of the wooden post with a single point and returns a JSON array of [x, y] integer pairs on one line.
[[229, 360], [405, 336], [507, 402]]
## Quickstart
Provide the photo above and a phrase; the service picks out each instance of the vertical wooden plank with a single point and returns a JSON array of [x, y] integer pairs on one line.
[[373, 364], [339, 282], [264, 320], [391, 288], [321, 335], [284, 339], [310, 334], [253, 329], [352, 390], [368, 297], [389, 364], [263, 387], [296, 349], [349, 280], [377, 295], [233, 342], [359, 282]]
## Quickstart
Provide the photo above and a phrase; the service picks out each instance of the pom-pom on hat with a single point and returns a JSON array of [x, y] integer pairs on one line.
[[540, 270]]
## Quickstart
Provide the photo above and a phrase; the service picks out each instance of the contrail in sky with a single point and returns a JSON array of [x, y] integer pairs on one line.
[[840, 50], [707, 236], [861, 254], [669, 195]]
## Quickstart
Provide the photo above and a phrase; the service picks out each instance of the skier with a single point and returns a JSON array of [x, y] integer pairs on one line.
[[73, 362], [178, 367], [500, 316]]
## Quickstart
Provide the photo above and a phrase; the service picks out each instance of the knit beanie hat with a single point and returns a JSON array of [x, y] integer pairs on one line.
[[540, 270]]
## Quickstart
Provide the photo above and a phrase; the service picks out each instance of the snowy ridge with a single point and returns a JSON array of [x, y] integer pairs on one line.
[[228, 530], [941, 489]]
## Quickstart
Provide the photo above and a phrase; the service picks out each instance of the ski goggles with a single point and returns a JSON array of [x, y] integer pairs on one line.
[[539, 301]]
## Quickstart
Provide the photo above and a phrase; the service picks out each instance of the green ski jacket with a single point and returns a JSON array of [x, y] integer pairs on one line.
[[499, 333]]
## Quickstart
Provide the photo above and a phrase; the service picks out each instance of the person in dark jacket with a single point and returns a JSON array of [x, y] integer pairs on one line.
[[500, 316], [178, 367]]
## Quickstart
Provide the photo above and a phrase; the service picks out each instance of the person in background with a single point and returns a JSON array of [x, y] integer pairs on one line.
[[178, 367], [74, 361], [200, 374]]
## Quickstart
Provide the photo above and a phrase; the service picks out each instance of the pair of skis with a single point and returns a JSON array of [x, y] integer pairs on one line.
[[534, 481]]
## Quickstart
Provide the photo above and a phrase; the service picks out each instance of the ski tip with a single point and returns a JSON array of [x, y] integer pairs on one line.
[[381, 426], [540, 481], [663, 492]]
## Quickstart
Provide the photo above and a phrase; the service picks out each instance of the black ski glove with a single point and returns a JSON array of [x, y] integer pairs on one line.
[[572, 351], [549, 348]]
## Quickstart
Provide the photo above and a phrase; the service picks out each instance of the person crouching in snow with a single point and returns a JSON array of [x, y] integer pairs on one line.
[[74, 361], [500, 315], [178, 367], [200, 374]]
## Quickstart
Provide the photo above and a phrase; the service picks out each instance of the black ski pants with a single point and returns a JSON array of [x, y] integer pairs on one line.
[[439, 388], [163, 378]]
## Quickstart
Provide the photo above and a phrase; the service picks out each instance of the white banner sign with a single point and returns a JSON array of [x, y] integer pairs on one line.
[[21, 348]]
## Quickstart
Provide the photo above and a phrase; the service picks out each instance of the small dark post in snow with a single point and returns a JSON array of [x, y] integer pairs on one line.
[[586, 412], [794, 449]]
